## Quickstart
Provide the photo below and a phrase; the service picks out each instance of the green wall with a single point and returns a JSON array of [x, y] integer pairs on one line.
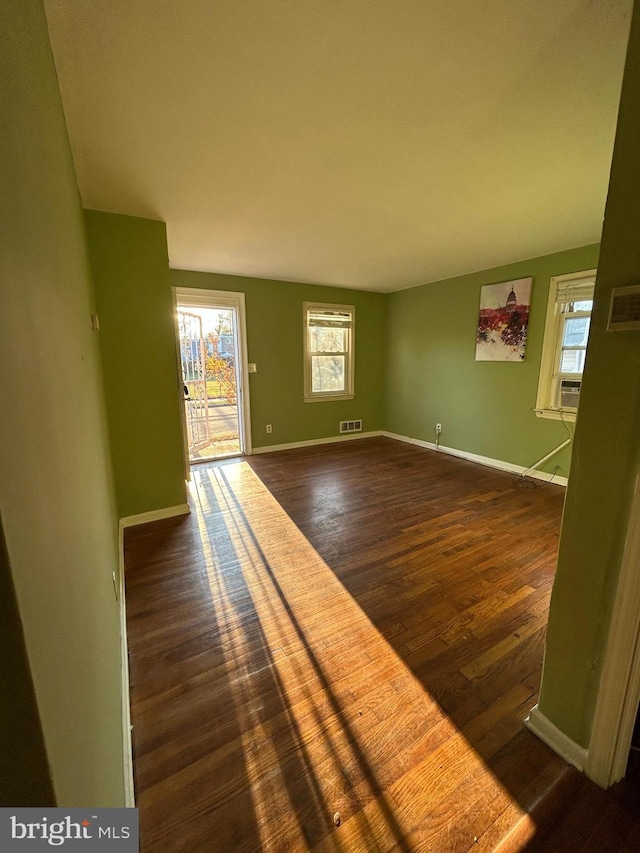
[[484, 407], [133, 283], [275, 343], [24, 770], [606, 452], [131, 279], [56, 494], [414, 361]]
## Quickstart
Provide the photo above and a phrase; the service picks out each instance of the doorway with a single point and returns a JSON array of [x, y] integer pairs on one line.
[[211, 350]]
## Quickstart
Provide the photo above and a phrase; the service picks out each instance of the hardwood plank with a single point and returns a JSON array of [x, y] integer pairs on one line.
[[353, 629]]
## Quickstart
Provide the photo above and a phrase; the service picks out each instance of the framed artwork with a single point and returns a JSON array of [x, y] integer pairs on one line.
[[503, 320]]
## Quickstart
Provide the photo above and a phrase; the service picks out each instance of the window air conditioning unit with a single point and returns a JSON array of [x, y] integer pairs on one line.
[[569, 393]]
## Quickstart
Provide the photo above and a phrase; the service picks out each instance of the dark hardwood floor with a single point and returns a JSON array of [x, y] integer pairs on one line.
[[336, 651]]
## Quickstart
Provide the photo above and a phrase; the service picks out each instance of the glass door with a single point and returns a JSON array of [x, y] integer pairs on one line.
[[209, 361]]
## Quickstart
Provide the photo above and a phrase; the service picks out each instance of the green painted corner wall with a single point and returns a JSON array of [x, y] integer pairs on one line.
[[24, 769], [606, 452], [484, 407], [275, 344], [133, 294], [414, 361], [56, 491]]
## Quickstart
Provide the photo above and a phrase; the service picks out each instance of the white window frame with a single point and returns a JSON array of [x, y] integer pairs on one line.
[[550, 376], [319, 396]]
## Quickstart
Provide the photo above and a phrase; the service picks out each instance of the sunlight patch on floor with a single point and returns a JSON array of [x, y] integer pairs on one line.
[[350, 712]]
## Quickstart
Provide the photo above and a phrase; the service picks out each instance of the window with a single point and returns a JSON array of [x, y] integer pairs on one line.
[[565, 344], [328, 351]]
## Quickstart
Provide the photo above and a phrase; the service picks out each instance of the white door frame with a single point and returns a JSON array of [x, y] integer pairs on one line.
[[619, 691], [201, 298], [183, 415]]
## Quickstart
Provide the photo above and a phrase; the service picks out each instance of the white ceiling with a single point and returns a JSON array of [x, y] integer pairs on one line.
[[374, 144]]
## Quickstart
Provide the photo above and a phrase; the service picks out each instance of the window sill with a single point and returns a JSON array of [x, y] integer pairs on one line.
[[324, 398], [556, 415]]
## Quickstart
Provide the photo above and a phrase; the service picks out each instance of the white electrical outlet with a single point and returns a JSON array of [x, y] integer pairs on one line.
[[438, 429], [269, 429]]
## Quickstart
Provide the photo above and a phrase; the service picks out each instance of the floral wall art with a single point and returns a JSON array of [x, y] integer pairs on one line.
[[503, 320]]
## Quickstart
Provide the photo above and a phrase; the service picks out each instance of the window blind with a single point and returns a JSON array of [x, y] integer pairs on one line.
[[329, 319], [575, 291]]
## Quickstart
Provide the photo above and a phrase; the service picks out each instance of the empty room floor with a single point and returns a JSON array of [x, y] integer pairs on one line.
[[337, 649]]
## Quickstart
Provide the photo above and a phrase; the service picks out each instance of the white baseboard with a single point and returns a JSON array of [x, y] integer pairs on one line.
[[481, 460], [332, 440], [127, 745], [154, 515], [559, 742]]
